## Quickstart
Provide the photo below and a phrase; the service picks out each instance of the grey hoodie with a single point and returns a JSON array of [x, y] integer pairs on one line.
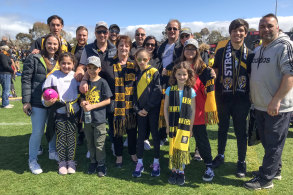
[[269, 65]]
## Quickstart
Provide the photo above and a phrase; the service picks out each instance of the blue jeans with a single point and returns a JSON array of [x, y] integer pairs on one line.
[[39, 119], [5, 81]]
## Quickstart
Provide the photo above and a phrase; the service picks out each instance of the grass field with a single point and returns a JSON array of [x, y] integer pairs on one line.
[[16, 178]]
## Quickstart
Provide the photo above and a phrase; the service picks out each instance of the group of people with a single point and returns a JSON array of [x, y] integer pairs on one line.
[[167, 90]]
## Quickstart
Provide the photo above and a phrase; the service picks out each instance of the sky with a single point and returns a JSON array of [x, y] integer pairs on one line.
[[19, 15]]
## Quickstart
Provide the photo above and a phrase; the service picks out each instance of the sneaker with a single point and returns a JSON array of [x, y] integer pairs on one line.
[[241, 169], [197, 156], [102, 171], [156, 170], [92, 168], [172, 179], [88, 154], [53, 156], [218, 161], [62, 168], [71, 166], [163, 141], [125, 144], [258, 183], [208, 174], [40, 151], [8, 106], [147, 145], [35, 167], [138, 170], [278, 175], [180, 179]]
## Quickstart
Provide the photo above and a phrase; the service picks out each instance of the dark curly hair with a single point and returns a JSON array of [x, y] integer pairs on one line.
[[183, 65]]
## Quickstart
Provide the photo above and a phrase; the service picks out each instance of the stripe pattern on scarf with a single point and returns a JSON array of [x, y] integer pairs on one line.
[[179, 125], [124, 115]]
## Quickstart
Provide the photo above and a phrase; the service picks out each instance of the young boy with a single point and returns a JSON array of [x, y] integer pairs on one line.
[[95, 101]]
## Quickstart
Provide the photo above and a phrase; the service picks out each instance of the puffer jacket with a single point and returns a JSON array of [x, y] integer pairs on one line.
[[33, 76]]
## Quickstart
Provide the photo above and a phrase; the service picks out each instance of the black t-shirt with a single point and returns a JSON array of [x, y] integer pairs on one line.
[[98, 92], [219, 65]]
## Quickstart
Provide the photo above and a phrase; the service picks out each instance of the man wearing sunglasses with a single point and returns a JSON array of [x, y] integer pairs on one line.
[[101, 48], [139, 39], [114, 33]]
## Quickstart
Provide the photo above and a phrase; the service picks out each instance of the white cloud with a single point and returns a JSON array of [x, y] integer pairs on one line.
[[13, 25]]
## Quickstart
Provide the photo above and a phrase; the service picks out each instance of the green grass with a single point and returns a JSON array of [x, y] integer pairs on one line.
[[16, 178]]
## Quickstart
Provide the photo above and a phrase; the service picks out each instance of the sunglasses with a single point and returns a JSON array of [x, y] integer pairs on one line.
[[184, 36], [140, 34], [172, 28], [114, 31], [102, 32], [150, 44], [142, 59]]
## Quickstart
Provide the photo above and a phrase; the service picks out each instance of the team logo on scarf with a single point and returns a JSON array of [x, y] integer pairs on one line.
[[227, 84], [242, 82]]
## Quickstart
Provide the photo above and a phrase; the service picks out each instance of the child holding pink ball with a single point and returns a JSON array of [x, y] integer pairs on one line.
[[61, 95]]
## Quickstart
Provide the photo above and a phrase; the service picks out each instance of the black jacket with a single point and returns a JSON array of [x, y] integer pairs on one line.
[[5, 64], [177, 50], [33, 76], [151, 96]]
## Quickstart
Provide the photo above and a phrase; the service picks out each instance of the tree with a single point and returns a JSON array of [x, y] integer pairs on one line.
[[39, 29], [214, 37], [24, 39], [198, 37], [251, 29], [204, 33]]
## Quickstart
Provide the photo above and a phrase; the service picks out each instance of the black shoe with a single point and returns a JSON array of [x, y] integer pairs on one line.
[[217, 161], [278, 175], [241, 169], [172, 178], [102, 171], [92, 168], [180, 179], [258, 183]]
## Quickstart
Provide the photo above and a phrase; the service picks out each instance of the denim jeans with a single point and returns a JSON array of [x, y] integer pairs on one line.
[[5, 81], [39, 119]]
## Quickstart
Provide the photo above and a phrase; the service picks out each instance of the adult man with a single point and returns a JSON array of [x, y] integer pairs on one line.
[[232, 65], [5, 76], [55, 24], [114, 33], [81, 38], [272, 95], [139, 39], [101, 48]]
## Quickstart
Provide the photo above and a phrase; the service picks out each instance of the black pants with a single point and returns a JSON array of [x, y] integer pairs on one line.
[[273, 131], [203, 143], [118, 140], [238, 109], [150, 121]]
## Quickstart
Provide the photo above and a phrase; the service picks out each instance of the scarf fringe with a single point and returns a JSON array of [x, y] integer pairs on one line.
[[162, 122], [131, 121], [119, 127], [211, 118], [178, 159]]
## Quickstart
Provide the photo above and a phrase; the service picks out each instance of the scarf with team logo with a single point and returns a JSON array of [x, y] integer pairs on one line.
[[179, 124], [234, 70], [211, 114], [124, 115]]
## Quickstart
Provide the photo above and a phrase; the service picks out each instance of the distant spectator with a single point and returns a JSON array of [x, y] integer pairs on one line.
[[114, 33]]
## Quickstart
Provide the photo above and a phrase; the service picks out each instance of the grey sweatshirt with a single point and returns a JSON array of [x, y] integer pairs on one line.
[[269, 65]]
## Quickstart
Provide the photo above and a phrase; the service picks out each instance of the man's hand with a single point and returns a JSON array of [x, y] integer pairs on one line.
[[26, 107], [83, 87], [273, 107]]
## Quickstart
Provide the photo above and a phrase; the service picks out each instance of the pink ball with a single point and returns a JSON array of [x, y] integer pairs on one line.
[[50, 94]]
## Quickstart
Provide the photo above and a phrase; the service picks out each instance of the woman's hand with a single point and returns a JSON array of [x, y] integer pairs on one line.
[[26, 107]]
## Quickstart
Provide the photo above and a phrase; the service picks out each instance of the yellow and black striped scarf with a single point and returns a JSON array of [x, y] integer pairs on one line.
[[211, 114], [179, 124], [124, 115]]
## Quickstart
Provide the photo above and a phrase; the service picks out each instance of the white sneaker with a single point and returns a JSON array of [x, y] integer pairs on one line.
[[53, 156], [147, 145], [35, 167], [88, 154], [8, 106], [125, 144]]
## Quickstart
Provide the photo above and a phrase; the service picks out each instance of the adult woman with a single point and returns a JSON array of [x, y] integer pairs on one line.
[[120, 75], [203, 75], [151, 45], [35, 69]]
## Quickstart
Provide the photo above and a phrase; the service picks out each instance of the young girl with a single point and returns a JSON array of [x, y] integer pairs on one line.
[[205, 103], [179, 110], [65, 110], [147, 105]]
